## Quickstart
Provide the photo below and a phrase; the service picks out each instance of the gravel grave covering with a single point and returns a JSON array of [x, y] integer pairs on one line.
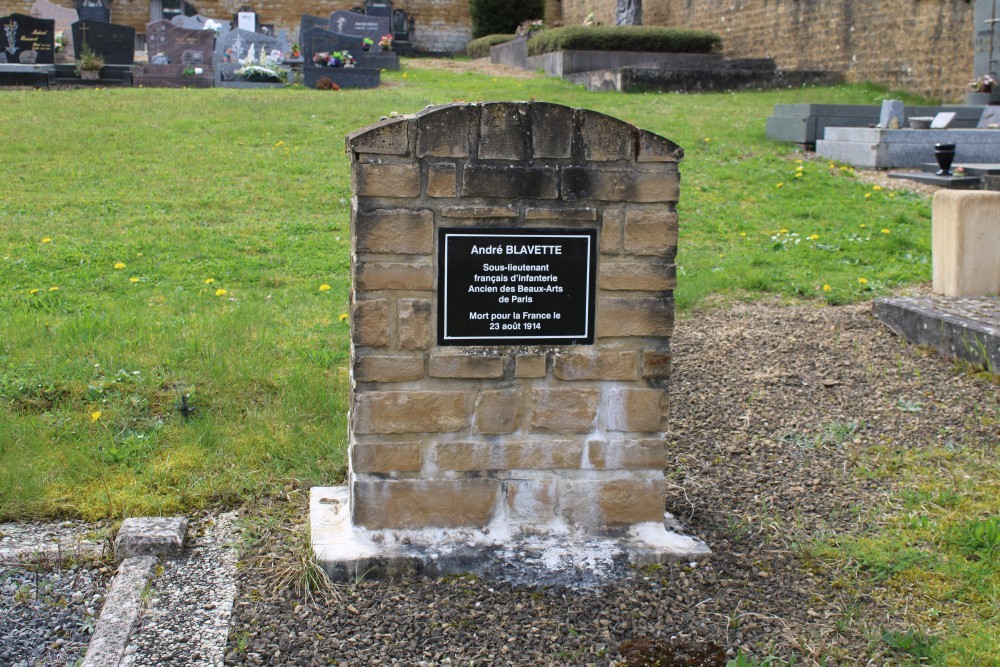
[[52, 587], [772, 407]]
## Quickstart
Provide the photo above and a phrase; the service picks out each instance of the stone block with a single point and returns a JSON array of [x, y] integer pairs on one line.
[[510, 181], [965, 241], [600, 504], [529, 366], [543, 455], [642, 276], [611, 230], [595, 365], [619, 185], [370, 276], [442, 180], [635, 316], [654, 148], [651, 233], [497, 411], [370, 322], [390, 179], [388, 368], [151, 536], [637, 410], [409, 412], [386, 138], [448, 364], [476, 212], [655, 364], [582, 214], [445, 131], [412, 504], [646, 454], [564, 410], [415, 324], [394, 231], [386, 457], [531, 501], [606, 139], [550, 137], [503, 131], [464, 456]]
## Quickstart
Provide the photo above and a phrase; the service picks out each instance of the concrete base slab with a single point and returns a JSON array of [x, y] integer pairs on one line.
[[547, 555], [888, 149], [952, 182], [120, 612], [965, 328], [151, 536]]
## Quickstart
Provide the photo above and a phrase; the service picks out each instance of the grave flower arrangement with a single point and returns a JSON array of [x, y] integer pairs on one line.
[[335, 59], [265, 69], [385, 42], [983, 84], [89, 63], [367, 43], [60, 41]]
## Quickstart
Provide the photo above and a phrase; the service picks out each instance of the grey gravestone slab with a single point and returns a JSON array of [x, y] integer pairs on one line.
[[378, 8], [986, 34], [887, 149], [114, 43], [966, 328], [950, 182], [990, 118], [233, 47], [309, 21], [151, 536], [318, 40], [39, 76], [27, 40], [180, 45], [197, 22], [64, 18], [360, 25], [93, 10], [345, 77], [893, 115]]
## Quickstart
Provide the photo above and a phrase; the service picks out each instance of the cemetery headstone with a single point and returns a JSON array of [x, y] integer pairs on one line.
[[360, 25], [64, 19], [27, 40], [246, 21], [986, 41], [309, 21], [199, 22], [235, 46], [114, 43], [179, 45], [93, 10], [511, 315], [378, 8], [319, 40], [892, 116]]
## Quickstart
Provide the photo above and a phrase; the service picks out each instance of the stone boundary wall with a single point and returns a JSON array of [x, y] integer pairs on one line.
[[441, 25], [520, 435], [923, 46]]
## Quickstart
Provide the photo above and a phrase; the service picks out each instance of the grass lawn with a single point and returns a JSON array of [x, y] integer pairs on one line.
[[156, 244]]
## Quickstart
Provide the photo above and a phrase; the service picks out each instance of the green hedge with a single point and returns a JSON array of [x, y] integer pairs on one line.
[[480, 48], [497, 17], [624, 38]]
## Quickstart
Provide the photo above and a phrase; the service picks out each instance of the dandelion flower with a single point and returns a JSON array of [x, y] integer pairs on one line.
[[138, 254], [863, 225], [708, 139], [863, 281], [133, 279], [885, 231], [877, 188], [798, 162], [826, 288], [780, 185], [743, 233], [814, 237], [800, 167], [209, 281], [119, 265], [53, 289], [783, 231], [220, 292], [832, 166], [280, 143], [33, 291], [324, 287], [868, 195], [95, 415], [892, 195], [343, 317], [47, 240], [798, 174]]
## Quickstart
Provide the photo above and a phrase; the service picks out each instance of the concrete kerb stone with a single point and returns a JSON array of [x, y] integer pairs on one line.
[[140, 542]]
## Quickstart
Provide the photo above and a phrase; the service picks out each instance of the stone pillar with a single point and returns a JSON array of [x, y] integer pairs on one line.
[[510, 438], [965, 239]]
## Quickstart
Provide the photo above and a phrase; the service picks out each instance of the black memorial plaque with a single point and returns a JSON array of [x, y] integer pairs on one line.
[[514, 287]]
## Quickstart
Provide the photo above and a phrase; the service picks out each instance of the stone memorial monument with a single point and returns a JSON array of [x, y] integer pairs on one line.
[[511, 313], [986, 44]]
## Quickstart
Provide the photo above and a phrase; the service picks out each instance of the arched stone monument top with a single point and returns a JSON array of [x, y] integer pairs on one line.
[[513, 131]]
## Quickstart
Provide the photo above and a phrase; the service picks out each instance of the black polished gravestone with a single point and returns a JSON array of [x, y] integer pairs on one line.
[[516, 286], [93, 10], [309, 21], [26, 40], [360, 25], [319, 40], [114, 43]]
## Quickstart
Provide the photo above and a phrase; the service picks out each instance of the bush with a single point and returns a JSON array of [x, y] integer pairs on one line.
[[492, 17], [480, 48], [624, 38]]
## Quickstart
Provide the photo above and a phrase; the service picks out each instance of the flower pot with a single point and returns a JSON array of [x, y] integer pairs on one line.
[[89, 74]]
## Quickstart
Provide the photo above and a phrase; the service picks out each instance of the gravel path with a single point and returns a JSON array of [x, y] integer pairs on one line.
[[771, 406]]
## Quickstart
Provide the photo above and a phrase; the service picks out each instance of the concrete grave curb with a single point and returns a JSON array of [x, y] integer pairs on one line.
[[140, 541]]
